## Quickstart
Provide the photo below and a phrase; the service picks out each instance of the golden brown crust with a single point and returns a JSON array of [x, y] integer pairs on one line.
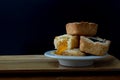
[[64, 42], [95, 48], [81, 28], [73, 52], [71, 40]]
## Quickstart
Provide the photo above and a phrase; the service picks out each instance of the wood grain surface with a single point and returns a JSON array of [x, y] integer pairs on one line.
[[42, 63], [36, 67]]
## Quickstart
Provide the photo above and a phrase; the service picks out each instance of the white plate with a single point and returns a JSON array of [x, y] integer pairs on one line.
[[74, 60]]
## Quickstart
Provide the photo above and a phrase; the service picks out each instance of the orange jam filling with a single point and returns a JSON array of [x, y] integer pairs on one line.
[[61, 47]]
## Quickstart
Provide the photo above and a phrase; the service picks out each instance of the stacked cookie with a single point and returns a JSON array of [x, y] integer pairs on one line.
[[79, 40]]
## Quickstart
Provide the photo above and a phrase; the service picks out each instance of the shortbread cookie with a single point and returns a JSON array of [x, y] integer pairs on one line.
[[81, 28], [73, 52]]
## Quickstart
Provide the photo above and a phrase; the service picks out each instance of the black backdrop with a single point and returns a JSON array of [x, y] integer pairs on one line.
[[29, 26]]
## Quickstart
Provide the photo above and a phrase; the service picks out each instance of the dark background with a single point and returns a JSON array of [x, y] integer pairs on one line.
[[29, 26]]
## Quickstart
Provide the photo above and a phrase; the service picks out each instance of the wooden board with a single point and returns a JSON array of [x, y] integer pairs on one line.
[[40, 63]]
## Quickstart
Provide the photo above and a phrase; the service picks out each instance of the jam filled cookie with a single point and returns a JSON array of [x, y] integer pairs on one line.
[[64, 42], [94, 45]]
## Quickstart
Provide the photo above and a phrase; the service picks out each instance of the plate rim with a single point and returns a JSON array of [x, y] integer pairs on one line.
[[52, 55]]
